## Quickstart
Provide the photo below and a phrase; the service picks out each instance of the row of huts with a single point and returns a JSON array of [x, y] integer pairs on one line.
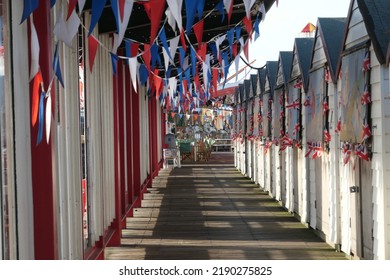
[[313, 130]]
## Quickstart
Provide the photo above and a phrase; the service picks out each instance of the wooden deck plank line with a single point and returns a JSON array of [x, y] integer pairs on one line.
[[210, 211]]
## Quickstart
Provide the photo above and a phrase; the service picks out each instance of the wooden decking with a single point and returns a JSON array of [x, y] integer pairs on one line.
[[210, 211]]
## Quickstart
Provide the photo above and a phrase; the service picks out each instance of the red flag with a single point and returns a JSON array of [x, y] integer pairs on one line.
[[156, 10], [71, 7], [147, 56], [248, 25], [121, 8], [92, 47], [183, 40], [35, 97], [198, 30]]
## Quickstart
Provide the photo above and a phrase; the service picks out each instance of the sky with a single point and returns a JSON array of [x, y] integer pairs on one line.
[[283, 23]]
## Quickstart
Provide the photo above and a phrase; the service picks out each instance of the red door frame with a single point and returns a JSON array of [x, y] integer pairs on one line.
[[45, 222]]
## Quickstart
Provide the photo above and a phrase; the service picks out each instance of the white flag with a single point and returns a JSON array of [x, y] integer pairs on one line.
[[133, 67], [248, 6], [175, 8], [34, 52], [66, 31], [123, 25]]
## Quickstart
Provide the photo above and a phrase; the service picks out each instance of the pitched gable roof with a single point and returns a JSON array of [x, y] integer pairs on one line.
[[376, 16], [303, 48], [285, 60], [271, 67], [331, 31], [262, 80]]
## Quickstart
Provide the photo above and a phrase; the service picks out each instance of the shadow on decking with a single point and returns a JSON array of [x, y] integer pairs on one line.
[[210, 211]]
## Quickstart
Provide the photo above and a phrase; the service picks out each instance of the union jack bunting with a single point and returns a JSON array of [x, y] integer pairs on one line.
[[366, 132], [327, 75], [298, 83], [366, 62], [326, 107], [338, 126], [361, 151], [307, 101], [327, 136], [297, 127], [317, 151], [295, 105], [346, 150], [366, 98]]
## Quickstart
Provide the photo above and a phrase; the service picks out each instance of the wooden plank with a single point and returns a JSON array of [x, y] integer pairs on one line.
[[206, 211]]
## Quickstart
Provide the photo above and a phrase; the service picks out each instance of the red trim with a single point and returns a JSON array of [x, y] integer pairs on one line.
[[129, 92], [116, 226], [121, 135], [136, 143], [45, 223]]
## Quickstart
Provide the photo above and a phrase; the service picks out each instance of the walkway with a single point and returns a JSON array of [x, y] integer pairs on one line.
[[210, 211]]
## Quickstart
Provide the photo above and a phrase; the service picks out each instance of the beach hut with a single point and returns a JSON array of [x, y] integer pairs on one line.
[[363, 114], [259, 142], [279, 123], [295, 184], [270, 74], [321, 149]]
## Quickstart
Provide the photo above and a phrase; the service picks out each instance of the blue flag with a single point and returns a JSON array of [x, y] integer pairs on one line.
[[29, 7], [41, 117], [97, 9], [114, 61], [56, 66]]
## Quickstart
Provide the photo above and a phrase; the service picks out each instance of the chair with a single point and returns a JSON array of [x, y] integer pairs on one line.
[[185, 150]]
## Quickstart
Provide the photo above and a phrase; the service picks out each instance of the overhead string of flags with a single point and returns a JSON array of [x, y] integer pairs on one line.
[[190, 91]]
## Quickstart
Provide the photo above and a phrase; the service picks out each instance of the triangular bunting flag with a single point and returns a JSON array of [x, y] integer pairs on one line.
[[34, 49], [193, 61], [48, 117], [56, 66], [71, 7], [173, 43], [66, 31], [81, 5], [123, 22], [198, 29], [133, 67], [37, 88], [147, 56], [156, 10], [92, 47], [121, 4], [263, 12], [248, 25], [248, 6], [191, 7], [41, 116], [163, 39], [97, 9], [28, 7], [114, 62], [175, 7], [200, 8]]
